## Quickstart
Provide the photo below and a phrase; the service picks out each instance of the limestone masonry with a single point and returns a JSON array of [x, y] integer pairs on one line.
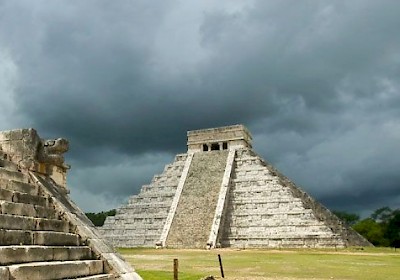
[[43, 234], [222, 194]]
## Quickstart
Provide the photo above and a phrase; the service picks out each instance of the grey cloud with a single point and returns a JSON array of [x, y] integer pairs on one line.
[[316, 82], [119, 176]]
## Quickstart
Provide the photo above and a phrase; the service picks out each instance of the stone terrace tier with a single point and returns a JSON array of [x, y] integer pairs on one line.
[[141, 220], [262, 212]]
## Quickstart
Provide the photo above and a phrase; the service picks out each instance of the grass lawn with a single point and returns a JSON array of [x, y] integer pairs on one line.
[[353, 263]]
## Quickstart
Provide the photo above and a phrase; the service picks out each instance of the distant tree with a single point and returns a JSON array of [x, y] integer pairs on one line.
[[349, 218], [382, 215], [392, 231], [372, 231], [99, 218], [382, 228]]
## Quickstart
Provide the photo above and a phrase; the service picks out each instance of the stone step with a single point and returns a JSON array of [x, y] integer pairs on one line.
[[269, 213], [134, 236], [251, 168], [156, 226], [156, 178], [167, 189], [53, 225], [180, 157], [32, 253], [6, 163], [256, 180], [148, 204], [56, 238], [96, 277], [27, 237], [55, 269], [260, 187], [4, 273], [286, 239], [34, 224], [13, 185], [157, 195], [260, 201], [132, 210], [19, 197], [153, 215], [30, 210], [13, 175]]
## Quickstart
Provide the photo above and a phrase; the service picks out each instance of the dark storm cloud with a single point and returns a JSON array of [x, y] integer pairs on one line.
[[95, 77], [317, 83], [371, 192]]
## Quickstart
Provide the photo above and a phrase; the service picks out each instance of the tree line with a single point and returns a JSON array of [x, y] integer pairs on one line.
[[381, 228], [99, 218]]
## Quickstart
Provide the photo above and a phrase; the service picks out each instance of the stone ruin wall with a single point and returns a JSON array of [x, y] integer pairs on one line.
[[28, 151], [43, 234]]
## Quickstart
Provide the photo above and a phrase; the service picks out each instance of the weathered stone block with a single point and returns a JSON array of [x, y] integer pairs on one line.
[[52, 225], [6, 195], [16, 222], [12, 185], [17, 209], [30, 199], [78, 253], [44, 212], [55, 238], [4, 273], [13, 175], [55, 270], [15, 237], [24, 254]]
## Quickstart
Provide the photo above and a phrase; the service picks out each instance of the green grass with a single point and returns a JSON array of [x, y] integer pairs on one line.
[[353, 263]]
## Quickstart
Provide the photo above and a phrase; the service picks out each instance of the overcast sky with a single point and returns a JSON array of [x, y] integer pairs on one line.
[[316, 82]]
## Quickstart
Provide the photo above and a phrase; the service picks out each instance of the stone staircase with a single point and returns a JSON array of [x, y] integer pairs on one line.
[[193, 218], [36, 243]]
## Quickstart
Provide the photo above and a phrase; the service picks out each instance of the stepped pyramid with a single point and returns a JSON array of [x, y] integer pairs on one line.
[[43, 234], [222, 194]]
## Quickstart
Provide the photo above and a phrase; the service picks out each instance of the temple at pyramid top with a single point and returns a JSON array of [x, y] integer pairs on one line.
[[220, 138]]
